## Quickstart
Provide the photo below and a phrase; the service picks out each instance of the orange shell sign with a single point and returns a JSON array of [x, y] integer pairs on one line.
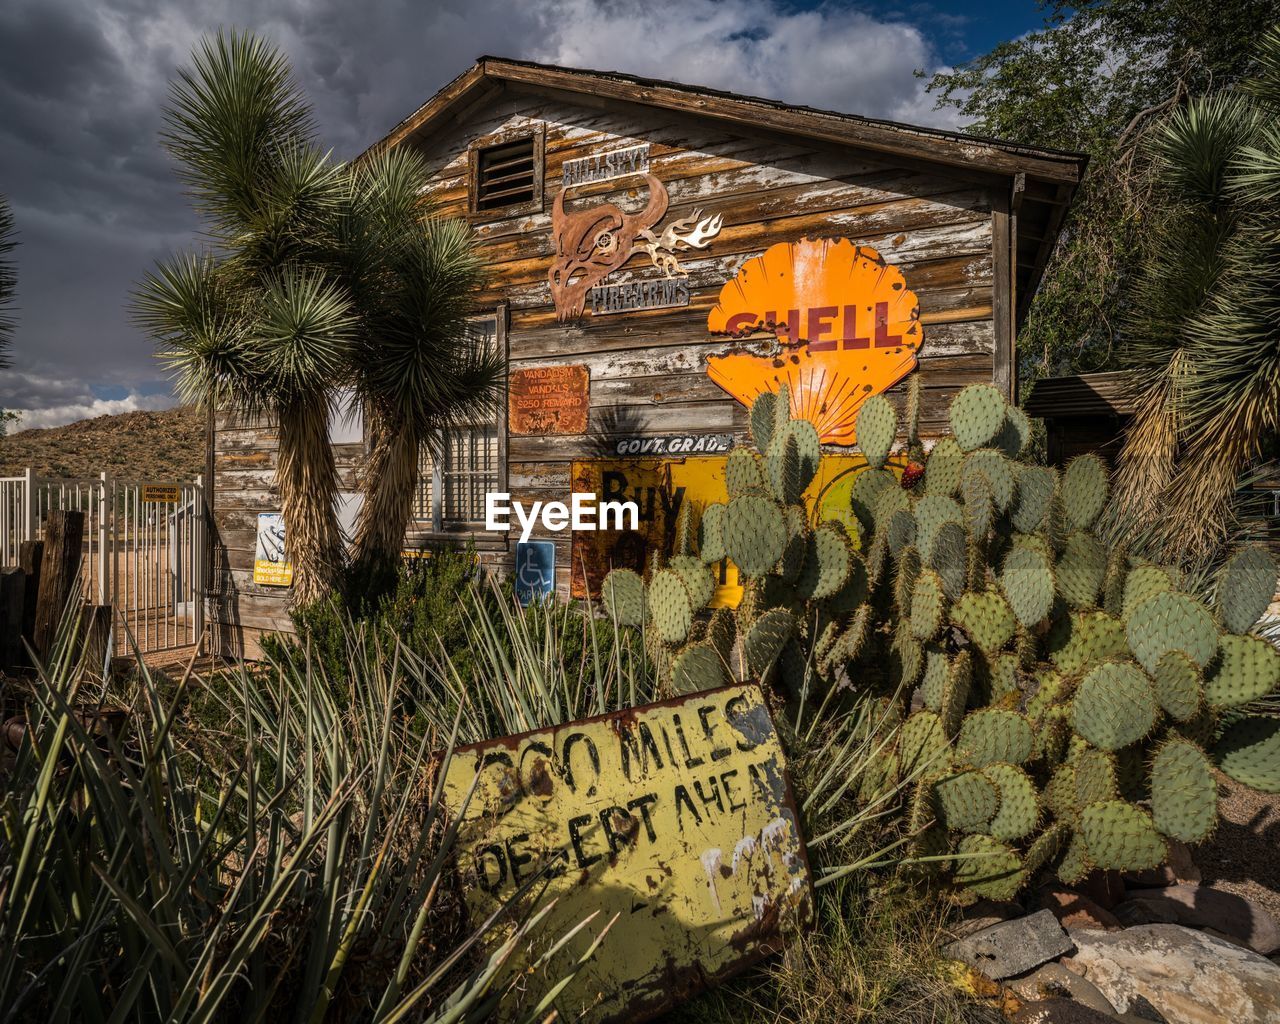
[[846, 327]]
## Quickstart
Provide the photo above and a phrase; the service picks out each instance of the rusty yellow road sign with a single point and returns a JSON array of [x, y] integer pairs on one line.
[[676, 818], [168, 494]]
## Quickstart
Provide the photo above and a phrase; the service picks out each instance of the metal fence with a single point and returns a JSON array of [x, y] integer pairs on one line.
[[143, 554]]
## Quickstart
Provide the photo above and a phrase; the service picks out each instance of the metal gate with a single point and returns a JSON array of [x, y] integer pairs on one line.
[[144, 550]]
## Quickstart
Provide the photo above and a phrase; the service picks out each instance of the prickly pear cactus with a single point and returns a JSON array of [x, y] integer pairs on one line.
[[1062, 705]]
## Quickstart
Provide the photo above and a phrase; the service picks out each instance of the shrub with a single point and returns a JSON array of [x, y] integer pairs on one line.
[[1069, 701]]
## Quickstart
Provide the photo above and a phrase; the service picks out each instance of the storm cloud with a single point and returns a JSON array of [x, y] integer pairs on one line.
[[96, 201]]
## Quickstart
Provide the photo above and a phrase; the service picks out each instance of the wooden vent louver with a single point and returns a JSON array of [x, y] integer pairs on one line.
[[505, 175]]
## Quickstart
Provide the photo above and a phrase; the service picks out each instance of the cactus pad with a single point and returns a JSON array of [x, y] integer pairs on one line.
[[1184, 795], [1014, 434], [1177, 685], [671, 606], [624, 598], [934, 679], [1036, 485], [868, 487], [1171, 622], [876, 427], [1084, 639], [1249, 752], [977, 415], [931, 512], [979, 505], [1046, 847], [764, 641], [1027, 582], [1074, 863], [1060, 793], [1097, 777], [986, 618], [1081, 569], [928, 605], [1246, 586], [922, 744], [1114, 706], [994, 735], [1121, 837], [698, 667], [792, 460], [763, 416], [711, 534], [697, 578], [998, 470], [755, 533], [988, 868], [943, 468], [1145, 582], [1248, 669], [1083, 491], [966, 801], [1019, 802], [743, 472], [948, 558], [901, 532], [955, 694], [828, 561]]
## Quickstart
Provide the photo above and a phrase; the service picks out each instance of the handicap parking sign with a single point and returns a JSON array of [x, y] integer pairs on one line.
[[535, 570]]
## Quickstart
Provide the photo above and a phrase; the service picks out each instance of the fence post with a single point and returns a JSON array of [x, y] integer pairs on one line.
[[199, 558], [30, 511], [105, 564], [63, 543]]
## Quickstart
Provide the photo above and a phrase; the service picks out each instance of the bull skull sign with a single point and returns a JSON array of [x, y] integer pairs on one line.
[[593, 242]]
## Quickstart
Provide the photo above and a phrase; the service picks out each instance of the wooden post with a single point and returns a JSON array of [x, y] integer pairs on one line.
[[30, 560], [63, 541], [13, 591], [95, 635]]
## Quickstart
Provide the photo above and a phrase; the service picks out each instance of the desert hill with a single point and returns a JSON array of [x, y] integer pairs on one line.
[[166, 445]]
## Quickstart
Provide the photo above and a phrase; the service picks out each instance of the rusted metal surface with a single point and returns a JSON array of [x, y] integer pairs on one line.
[[549, 400], [676, 819]]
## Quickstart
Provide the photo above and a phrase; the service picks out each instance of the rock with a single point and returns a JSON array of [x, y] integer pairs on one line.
[[1180, 868], [1199, 906], [1184, 976], [1074, 910], [1012, 947], [983, 914], [1053, 981], [1061, 1011]]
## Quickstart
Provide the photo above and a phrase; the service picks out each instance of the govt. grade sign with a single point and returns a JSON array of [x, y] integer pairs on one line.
[[674, 821]]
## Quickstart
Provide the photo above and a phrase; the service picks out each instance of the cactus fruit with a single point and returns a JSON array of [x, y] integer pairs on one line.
[[876, 427], [1019, 802], [1249, 752], [1246, 585], [1119, 836], [624, 597], [1114, 706], [988, 867], [1171, 622], [1084, 491], [1184, 795], [977, 415], [1027, 582], [1248, 668]]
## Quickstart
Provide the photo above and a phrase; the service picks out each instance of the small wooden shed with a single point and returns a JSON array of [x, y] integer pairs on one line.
[[628, 224]]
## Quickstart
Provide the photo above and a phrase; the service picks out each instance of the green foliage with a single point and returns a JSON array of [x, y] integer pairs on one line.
[[1043, 715]]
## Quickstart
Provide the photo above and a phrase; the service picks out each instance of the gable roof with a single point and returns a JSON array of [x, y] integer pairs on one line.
[[1041, 181]]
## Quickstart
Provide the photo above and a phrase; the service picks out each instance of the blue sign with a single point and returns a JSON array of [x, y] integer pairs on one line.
[[535, 570]]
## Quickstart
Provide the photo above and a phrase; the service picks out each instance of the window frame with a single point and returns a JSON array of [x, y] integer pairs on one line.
[[435, 525], [536, 205]]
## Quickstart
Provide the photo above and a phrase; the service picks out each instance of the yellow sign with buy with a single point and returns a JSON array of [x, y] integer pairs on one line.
[[660, 486], [671, 827]]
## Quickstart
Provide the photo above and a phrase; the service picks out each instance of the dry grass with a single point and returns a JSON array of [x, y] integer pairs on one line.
[[166, 445], [872, 959]]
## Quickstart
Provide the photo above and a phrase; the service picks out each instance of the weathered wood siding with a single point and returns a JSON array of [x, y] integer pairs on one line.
[[648, 368]]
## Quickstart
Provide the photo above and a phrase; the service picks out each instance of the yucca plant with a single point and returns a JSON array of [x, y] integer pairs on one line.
[[1202, 329], [291, 866]]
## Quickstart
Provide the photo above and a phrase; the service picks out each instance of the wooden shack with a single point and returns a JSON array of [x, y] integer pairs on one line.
[[622, 219]]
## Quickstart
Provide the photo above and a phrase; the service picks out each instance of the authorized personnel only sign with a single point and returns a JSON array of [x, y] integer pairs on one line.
[[675, 818]]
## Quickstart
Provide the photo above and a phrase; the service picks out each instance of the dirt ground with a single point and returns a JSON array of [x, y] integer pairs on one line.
[[1243, 855]]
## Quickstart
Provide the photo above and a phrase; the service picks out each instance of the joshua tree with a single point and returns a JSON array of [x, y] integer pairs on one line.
[[1203, 320], [412, 276]]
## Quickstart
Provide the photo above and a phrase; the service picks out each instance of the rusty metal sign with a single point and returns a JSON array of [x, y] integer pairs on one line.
[[843, 326], [163, 494], [549, 400], [615, 163], [675, 821], [675, 444], [592, 242], [651, 293]]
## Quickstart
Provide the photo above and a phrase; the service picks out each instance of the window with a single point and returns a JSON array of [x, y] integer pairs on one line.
[[506, 177], [451, 489]]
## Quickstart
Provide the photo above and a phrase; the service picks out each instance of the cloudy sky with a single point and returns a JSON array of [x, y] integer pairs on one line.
[[82, 84]]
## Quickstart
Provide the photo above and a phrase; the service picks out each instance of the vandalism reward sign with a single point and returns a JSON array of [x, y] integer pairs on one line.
[[676, 818]]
